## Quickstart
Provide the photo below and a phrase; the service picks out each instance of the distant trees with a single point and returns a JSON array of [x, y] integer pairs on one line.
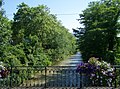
[[34, 37], [5, 36], [99, 35]]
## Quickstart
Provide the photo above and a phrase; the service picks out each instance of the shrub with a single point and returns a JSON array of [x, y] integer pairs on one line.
[[100, 73]]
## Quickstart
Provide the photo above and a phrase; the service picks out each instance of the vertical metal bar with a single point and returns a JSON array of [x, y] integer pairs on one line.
[[41, 73], [61, 76], [27, 77], [11, 76], [53, 77], [34, 72], [57, 82], [45, 76], [81, 80], [99, 79], [65, 78], [76, 79], [115, 78]]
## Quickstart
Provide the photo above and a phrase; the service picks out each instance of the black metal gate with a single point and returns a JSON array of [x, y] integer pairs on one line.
[[40, 77]]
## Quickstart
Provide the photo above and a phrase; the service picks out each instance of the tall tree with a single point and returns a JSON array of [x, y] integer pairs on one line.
[[43, 37], [100, 22], [5, 36]]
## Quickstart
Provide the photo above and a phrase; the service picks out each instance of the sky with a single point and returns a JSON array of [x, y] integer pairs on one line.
[[67, 10]]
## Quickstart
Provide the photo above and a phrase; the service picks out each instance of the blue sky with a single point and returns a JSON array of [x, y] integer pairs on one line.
[[61, 7]]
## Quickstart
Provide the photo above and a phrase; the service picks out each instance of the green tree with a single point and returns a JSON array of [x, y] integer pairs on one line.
[[100, 22], [7, 51], [44, 38]]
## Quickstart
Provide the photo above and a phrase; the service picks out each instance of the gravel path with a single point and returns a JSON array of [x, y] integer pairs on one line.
[[74, 60]]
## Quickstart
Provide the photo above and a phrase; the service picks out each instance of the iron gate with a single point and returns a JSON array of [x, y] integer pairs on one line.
[[46, 77]]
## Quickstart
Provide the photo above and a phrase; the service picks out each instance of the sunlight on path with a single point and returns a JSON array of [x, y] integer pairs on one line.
[[74, 60]]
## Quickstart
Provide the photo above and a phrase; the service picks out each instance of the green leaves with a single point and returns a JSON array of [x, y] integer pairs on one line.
[[44, 38], [34, 37], [100, 21]]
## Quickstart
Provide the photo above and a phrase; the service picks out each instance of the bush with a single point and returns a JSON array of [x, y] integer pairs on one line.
[[100, 73]]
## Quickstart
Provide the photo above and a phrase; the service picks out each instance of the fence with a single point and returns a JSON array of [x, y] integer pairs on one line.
[[48, 77]]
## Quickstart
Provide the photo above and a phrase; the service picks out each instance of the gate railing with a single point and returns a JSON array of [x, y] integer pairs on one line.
[[40, 76], [48, 77]]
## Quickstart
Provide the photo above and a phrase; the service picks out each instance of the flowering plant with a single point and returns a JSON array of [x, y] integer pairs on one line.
[[100, 72], [3, 71]]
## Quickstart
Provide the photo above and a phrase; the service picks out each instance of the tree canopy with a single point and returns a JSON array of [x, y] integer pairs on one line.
[[98, 37], [34, 37]]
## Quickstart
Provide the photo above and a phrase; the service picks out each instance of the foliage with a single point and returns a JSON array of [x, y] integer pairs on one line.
[[100, 72], [117, 61], [98, 37], [34, 37], [43, 38]]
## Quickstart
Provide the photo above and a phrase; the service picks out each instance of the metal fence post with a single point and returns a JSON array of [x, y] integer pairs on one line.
[[115, 78], [45, 76], [81, 81], [11, 76]]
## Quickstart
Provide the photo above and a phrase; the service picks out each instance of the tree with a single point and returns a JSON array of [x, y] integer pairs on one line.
[[100, 22], [43, 37], [8, 54], [34, 37]]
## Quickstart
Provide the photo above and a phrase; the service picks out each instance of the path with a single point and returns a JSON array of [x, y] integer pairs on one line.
[[74, 60]]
